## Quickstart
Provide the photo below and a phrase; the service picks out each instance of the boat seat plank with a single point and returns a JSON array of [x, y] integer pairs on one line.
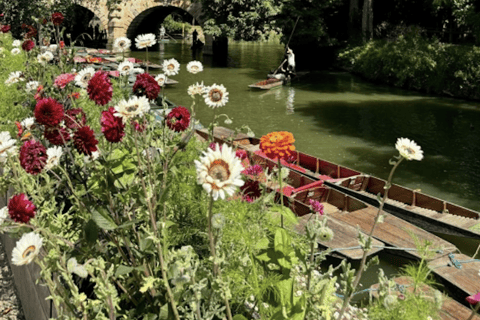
[[345, 236], [465, 279], [395, 231]]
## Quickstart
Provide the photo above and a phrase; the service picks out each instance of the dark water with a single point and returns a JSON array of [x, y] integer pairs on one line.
[[343, 119]]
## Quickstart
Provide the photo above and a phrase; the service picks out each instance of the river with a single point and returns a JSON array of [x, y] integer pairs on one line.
[[344, 119]]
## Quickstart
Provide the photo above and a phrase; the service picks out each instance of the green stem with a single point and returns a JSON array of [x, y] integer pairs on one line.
[[474, 311], [281, 191], [210, 235], [358, 276]]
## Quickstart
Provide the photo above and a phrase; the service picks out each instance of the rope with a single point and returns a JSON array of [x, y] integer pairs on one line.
[[399, 287], [440, 251], [458, 263]]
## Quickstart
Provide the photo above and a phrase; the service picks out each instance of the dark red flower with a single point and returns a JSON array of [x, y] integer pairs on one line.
[[20, 208], [100, 88], [213, 146], [5, 28], [33, 156], [241, 154], [44, 21], [48, 112], [57, 18], [75, 118], [32, 32], [137, 126], [28, 45], [84, 141], [57, 136], [251, 190], [112, 127], [147, 86], [62, 44], [178, 119], [24, 25]]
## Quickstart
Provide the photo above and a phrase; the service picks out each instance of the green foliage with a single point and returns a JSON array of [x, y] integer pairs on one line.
[[417, 63], [173, 26], [413, 307], [240, 19]]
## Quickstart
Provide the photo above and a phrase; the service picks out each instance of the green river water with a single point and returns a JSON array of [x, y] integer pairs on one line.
[[344, 119]]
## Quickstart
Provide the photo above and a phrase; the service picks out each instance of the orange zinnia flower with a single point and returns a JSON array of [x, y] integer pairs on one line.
[[277, 144]]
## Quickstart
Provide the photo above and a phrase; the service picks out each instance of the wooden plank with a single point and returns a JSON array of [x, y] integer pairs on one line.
[[345, 236], [395, 231], [464, 281], [451, 309]]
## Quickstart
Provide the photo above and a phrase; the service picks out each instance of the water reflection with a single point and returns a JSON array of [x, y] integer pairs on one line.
[[290, 101]]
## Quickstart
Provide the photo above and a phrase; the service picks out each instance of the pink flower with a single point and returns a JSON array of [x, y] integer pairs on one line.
[[317, 207], [254, 170], [241, 154], [473, 299], [62, 80], [20, 208]]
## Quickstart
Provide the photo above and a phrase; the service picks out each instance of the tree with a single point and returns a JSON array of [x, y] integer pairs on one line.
[[367, 20], [240, 19]]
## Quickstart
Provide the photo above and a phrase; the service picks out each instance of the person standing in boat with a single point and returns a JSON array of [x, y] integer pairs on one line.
[[290, 57]]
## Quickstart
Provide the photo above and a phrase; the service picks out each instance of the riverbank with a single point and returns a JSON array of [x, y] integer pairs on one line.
[[415, 63]]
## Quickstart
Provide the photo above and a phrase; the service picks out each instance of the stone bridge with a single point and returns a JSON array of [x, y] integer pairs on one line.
[[134, 17]]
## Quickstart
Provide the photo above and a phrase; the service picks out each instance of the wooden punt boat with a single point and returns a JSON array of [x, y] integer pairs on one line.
[[423, 210], [426, 211], [451, 309], [266, 84]]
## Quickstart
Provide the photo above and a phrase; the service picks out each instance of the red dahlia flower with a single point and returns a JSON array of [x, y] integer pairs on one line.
[[57, 136], [62, 80], [251, 190], [147, 86], [99, 88], [32, 32], [33, 156], [84, 141], [178, 119], [20, 208], [28, 45], [5, 28], [57, 18], [137, 126], [48, 112], [112, 127], [75, 118]]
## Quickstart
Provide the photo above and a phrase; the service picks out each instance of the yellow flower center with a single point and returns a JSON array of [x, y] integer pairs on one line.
[[219, 170], [28, 251], [133, 108]]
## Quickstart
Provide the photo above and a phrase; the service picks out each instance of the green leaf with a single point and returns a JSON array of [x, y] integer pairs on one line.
[[150, 316], [91, 232], [239, 317], [121, 270], [262, 244], [282, 241], [103, 219]]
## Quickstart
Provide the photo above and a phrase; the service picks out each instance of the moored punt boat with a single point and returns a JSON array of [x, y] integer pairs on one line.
[[459, 273], [426, 211], [451, 309], [423, 210], [266, 84]]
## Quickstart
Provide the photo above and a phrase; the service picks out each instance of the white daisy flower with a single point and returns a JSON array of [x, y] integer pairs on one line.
[[7, 145], [54, 154], [194, 67], [52, 47], [122, 44], [94, 156], [138, 70], [219, 172], [215, 96], [45, 57], [161, 78], [78, 269], [28, 123], [31, 86], [14, 77], [409, 149], [171, 67], [135, 106], [73, 70], [3, 215], [196, 88], [15, 51], [125, 68], [26, 249], [16, 43], [145, 40], [82, 78]]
